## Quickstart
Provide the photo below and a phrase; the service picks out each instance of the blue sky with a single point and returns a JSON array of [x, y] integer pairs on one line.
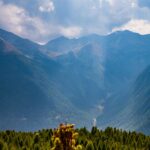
[[42, 20]]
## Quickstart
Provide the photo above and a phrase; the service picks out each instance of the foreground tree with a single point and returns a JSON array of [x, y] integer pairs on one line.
[[64, 138]]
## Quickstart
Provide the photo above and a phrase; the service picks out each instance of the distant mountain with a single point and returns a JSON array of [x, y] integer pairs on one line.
[[71, 80]]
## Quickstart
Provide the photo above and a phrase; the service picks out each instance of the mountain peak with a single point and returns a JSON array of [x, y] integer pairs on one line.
[[59, 39], [124, 32]]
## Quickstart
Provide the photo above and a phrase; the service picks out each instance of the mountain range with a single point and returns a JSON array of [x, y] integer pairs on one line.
[[105, 78]]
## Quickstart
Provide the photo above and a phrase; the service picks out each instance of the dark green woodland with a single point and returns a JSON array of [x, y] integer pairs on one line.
[[109, 139]]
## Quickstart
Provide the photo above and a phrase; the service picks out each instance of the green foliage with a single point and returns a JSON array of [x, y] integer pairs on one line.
[[3, 145], [109, 139], [90, 146], [112, 139]]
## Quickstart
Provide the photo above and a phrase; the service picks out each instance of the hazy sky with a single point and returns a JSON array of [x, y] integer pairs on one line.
[[41, 20]]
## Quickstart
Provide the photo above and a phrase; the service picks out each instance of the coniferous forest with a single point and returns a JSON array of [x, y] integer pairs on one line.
[[65, 137]]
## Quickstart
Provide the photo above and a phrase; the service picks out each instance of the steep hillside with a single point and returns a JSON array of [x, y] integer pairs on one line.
[[139, 114], [142, 101], [135, 114]]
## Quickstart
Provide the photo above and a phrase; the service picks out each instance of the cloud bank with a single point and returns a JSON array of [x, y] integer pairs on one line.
[[138, 26], [18, 20], [47, 6], [41, 20]]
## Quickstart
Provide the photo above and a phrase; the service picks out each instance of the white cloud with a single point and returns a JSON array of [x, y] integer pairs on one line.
[[11, 17], [138, 26], [18, 20], [47, 6], [111, 2], [71, 32], [100, 16], [71, 18]]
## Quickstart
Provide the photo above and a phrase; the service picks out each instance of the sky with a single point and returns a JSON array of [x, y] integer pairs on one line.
[[42, 20]]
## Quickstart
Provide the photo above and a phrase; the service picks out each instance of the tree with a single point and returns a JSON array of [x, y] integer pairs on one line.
[[64, 138], [90, 146], [3, 145]]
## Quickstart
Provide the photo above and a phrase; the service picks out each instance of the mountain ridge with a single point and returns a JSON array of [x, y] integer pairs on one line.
[[85, 78]]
